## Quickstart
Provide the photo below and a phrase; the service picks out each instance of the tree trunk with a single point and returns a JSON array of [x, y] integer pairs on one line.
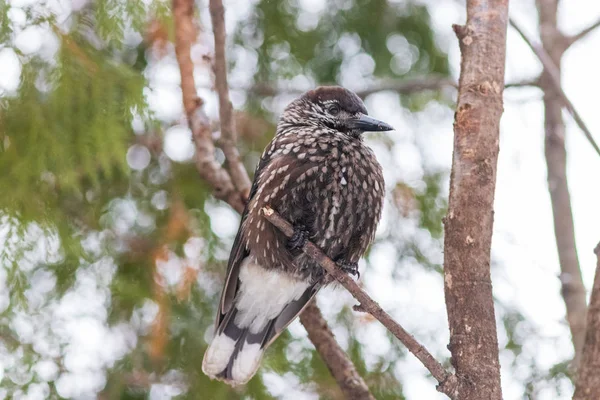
[[588, 381], [573, 290], [469, 223]]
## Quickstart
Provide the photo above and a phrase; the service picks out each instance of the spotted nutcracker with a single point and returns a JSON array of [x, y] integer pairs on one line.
[[320, 176]]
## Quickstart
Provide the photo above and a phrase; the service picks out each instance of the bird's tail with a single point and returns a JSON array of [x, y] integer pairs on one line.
[[254, 321], [235, 353]]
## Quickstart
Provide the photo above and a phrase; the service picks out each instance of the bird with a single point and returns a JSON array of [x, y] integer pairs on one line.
[[319, 175]]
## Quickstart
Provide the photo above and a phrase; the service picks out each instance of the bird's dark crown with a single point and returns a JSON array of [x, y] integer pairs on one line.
[[334, 108], [346, 99]]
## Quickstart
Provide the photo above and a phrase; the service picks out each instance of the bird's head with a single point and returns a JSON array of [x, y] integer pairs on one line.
[[333, 107]]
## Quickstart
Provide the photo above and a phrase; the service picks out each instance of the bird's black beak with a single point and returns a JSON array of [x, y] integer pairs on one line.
[[365, 123]]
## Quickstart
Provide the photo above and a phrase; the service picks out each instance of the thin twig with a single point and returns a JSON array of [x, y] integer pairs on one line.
[[409, 86], [524, 83], [207, 165], [403, 87], [572, 39], [553, 72], [228, 133], [447, 381]]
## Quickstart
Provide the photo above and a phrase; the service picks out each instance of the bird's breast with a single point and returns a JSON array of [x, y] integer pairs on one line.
[[351, 190]]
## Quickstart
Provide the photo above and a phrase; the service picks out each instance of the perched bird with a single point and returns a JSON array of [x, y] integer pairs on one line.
[[320, 176]]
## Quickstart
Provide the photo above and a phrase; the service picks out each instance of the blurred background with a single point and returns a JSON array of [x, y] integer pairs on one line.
[[113, 252]]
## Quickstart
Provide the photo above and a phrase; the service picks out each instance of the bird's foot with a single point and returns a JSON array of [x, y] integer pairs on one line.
[[299, 238], [349, 268]]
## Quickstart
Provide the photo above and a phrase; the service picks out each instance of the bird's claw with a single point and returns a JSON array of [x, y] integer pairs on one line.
[[298, 239], [349, 268]]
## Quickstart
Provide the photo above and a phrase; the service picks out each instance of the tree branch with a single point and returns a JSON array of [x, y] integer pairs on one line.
[[228, 133], [209, 169], [551, 52], [402, 87], [447, 381], [524, 83], [406, 86], [340, 366], [588, 381], [572, 39], [216, 176], [469, 222], [554, 75]]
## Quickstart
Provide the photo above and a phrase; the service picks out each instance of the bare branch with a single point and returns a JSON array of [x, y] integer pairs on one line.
[[572, 39], [402, 87], [216, 176], [447, 381], [588, 381], [468, 225], [228, 133], [524, 83], [572, 288], [209, 169], [405, 86], [340, 366], [408, 86], [554, 74]]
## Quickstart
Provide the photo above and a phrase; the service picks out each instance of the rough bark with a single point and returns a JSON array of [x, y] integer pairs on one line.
[[573, 290], [588, 380], [210, 170], [469, 223]]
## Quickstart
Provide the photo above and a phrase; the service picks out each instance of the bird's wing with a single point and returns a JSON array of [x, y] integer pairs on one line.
[[239, 250], [270, 162], [290, 312]]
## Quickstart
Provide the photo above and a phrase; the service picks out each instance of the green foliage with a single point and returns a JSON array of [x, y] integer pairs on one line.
[[287, 48], [5, 28], [432, 204], [71, 135]]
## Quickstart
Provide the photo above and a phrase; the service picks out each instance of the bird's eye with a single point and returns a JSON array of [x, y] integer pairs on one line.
[[333, 110]]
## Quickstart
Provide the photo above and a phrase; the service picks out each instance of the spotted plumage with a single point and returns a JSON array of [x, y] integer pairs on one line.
[[319, 175]]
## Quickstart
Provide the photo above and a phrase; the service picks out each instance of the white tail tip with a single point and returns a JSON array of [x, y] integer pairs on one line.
[[246, 363], [219, 353]]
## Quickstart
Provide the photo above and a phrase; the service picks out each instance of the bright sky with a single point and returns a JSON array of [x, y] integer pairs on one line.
[[523, 243]]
